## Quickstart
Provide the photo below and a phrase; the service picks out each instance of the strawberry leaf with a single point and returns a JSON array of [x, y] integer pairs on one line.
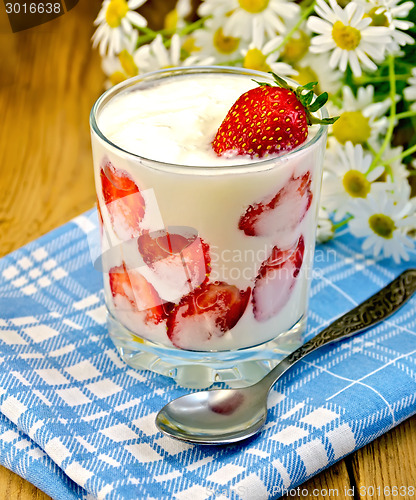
[[319, 102], [328, 121], [262, 84], [308, 86], [306, 99], [280, 82]]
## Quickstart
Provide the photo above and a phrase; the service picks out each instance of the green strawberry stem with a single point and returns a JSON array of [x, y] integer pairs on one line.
[[305, 99]]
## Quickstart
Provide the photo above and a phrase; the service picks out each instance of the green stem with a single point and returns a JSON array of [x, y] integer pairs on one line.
[[150, 35], [392, 117], [290, 33], [402, 155], [342, 223], [376, 79], [147, 31], [405, 114], [189, 28]]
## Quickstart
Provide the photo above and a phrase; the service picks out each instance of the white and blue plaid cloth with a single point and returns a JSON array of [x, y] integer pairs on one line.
[[78, 423]]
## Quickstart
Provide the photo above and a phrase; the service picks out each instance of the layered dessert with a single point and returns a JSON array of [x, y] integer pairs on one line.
[[202, 252]]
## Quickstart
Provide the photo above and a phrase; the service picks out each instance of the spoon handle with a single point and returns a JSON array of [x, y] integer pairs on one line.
[[370, 312]]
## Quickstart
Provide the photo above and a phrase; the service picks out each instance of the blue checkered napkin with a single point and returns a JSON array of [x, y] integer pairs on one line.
[[79, 423]]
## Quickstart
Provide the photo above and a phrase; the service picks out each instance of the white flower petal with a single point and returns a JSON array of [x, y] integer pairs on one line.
[[335, 57], [135, 4], [343, 61], [136, 19], [375, 173], [354, 64], [319, 25]]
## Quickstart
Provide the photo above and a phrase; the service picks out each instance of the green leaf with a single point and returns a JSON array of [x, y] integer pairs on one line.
[[329, 121], [319, 102], [306, 99], [321, 121], [309, 86], [282, 83], [262, 84]]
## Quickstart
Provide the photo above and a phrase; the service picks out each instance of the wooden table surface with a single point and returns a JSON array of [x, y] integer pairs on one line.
[[49, 79]]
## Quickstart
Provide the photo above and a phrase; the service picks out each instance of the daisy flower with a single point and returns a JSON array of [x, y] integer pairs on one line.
[[315, 68], [396, 171], [211, 41], [297, 46], [121, 66], [383, 219], [347, 177], [347, 34], [156, 55], [386, 13], [238, 15], [361, 119], [410, 90], [115, 22], [214, 8], [262, 56], [176, 18]]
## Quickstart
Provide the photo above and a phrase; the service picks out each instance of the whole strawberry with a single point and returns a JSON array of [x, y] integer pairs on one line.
[[269, 119]]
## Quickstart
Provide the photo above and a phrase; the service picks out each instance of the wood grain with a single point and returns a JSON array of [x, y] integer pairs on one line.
[[387, 462], [13, 487], [49, 79]]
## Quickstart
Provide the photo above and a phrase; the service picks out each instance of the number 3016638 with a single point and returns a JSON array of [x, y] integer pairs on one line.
[[24, 14], [34, 8]]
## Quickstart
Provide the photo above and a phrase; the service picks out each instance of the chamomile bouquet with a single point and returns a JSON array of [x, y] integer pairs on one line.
[[360, 52]]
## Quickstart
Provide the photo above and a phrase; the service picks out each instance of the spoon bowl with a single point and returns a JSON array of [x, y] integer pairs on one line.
[[215, 417], [223, 416]]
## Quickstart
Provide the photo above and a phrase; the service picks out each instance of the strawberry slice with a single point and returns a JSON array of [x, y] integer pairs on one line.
[[178, 256], [205, 314], [123, 199], [140, 294], [283, 212], [276, 280], [269, 119]]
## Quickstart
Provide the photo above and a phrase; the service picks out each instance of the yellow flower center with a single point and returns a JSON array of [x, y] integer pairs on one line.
[[117, 77], [225, 44], [296, 48], [127, 63], [352, 126], [255, 59], [253, 6], [346, 37], [115, 12], [171, 20], [306, 75], [189, 45], [379, 19], [382, 225], [355, 184]]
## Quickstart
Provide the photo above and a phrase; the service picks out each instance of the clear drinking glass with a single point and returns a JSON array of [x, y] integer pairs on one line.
[[206, 268]]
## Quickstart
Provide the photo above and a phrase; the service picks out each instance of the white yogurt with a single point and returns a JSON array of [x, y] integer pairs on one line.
[[175, 121]]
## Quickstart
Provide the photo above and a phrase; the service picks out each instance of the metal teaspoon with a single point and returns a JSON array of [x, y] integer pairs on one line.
[[222, 416]]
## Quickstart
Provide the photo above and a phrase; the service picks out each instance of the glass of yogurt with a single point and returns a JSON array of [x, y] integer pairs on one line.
[[206, 260]]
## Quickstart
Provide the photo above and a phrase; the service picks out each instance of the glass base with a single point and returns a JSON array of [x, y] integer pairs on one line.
[[199, 370]]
